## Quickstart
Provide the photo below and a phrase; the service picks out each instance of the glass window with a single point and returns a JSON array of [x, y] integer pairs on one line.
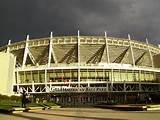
[[116, 75]]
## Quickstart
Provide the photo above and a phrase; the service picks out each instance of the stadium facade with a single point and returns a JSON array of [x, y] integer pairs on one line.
[[84, 69]]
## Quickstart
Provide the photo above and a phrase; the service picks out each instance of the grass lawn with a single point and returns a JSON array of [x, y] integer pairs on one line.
[[9, 104], [48, 104]]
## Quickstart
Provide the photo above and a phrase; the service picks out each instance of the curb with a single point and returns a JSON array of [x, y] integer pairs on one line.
[[16, 110]]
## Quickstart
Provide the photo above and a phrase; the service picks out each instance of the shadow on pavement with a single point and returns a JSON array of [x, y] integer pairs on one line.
[[82, 117], [85, 110], [27, 117]]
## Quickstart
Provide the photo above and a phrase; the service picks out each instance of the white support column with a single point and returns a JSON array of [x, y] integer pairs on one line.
[[79, 77], [107, 87], [33, 88], [107, 51], [140, 89], [50, 49], [124, 83], [78, 47], [133, 61], [17, 81], [45, 80], [27, 90], [112, 76], [50, 86], [87, 78], [8, 47], [129, 37], [25, 52], [150, 54], [18, 89]]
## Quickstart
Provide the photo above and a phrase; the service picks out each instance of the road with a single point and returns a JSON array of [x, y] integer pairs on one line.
[[82, 114]]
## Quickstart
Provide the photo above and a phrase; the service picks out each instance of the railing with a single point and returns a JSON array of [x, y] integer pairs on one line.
[[48, 88], [96, 89], [101, 65], [85, 89]]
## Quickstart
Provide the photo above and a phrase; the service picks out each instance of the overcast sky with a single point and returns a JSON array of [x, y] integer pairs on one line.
[[140, 18]]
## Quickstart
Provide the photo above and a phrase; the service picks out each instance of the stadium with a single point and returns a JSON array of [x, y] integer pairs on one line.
[[81, 69]]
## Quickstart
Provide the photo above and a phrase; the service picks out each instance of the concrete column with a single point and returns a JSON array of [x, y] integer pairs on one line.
[[78, 37], [50, 50], [133, 60], [25, 52], [8, 46], [107, 51]]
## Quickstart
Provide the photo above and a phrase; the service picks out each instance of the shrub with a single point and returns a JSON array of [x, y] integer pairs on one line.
[[10, 98]]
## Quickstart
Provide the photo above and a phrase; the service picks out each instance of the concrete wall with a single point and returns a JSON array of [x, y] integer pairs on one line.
[[7, 74]]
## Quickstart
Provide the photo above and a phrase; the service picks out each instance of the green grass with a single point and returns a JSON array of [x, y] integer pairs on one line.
[[9, 104], [49, 104]]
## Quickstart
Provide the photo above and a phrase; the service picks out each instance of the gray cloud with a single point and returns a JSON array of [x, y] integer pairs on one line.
[[140, 18]]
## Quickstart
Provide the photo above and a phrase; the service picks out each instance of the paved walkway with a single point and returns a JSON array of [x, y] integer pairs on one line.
[[82, 114]]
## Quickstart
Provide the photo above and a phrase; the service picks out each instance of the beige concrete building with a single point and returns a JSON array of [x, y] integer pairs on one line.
[[82, 69], [7, 73]]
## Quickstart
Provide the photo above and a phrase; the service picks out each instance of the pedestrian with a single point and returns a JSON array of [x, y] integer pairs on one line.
[[23, 99], [37, 100], [150, 100]]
